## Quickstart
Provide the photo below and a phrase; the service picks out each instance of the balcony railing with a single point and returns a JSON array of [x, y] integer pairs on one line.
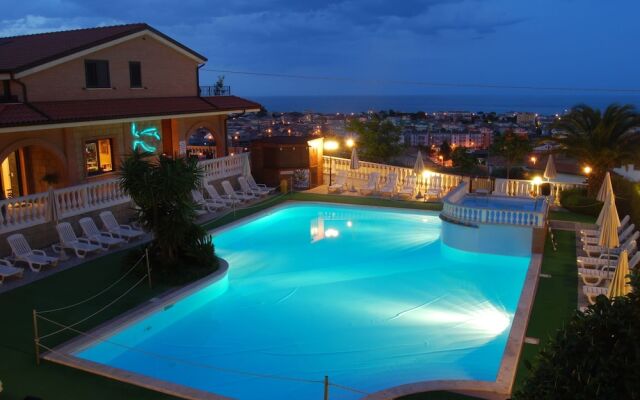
[[25, 211], [215, 90]]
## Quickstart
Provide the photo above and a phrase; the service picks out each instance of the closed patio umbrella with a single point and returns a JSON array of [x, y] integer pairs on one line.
[[353, 165], [604, 211], [550, 169], [52, 212], [246, 165], [418, 167], [609, 227], [619, 285], [606, 188]]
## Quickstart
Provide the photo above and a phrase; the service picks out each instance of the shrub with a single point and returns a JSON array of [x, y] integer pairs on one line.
[[576, 200], [596, 356], [627, 197]]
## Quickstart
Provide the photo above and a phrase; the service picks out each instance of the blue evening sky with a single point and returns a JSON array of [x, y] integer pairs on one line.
[[575, 43]]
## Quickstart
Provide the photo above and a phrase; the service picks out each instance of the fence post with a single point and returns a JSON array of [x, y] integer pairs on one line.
[[146, 258], [36, 336], [326, 387]]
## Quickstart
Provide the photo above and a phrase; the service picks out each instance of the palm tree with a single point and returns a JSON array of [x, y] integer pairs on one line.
[[161, 188], [512, 148], [601, 140]]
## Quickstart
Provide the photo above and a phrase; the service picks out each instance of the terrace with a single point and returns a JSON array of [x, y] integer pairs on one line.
[[86, 277]]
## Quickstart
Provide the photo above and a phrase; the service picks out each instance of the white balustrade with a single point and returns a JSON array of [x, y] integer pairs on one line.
[[25, 211]]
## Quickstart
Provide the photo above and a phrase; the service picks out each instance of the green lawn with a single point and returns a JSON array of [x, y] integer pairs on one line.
[[21, 377], [571, 217]]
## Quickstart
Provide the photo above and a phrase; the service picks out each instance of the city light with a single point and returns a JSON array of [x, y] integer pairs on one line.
[[587, 170], [350, 143], [533, 160], [331, 145]]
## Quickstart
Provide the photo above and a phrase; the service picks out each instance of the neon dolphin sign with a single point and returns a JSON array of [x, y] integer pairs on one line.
[[140, 136]]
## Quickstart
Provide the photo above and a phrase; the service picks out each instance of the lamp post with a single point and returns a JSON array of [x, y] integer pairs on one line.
[[330, 145]]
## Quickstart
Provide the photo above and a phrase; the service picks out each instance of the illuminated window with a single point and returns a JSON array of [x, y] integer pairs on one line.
[[98, 156]]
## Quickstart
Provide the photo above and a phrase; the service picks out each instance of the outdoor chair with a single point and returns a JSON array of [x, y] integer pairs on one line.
[[7, 270], [68, 240], [21, 251], [126, 232], [104, 239], [340, 183]]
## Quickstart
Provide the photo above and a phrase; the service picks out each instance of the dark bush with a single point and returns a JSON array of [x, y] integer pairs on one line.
[[627, 198], [576, 200]]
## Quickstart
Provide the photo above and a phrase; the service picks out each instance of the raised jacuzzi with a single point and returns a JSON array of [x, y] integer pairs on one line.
[[491, 224]]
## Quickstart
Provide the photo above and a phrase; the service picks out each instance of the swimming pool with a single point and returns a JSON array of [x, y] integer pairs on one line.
[[503, 203], [369, 297]]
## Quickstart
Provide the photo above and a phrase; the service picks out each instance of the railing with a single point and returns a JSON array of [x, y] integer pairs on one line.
[[435, 180], [494, 216], [215, 90], [451, 209], [26, 211], [444, 182]]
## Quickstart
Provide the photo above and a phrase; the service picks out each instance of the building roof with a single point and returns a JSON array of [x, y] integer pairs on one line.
[[59, 112], [18, 53]]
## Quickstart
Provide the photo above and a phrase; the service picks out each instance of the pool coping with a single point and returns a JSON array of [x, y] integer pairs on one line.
[[502, 386]]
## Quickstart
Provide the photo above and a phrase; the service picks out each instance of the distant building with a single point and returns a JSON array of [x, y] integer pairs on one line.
[[526, 118]]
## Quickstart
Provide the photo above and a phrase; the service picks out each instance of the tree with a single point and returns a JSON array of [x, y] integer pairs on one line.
[[596, 356], [462, 160], [218, 88], [445, 150], [379, 140], [161, 188], [512, 148], [601, 140]]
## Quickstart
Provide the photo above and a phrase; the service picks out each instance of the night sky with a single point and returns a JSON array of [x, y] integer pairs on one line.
[[568, 43]]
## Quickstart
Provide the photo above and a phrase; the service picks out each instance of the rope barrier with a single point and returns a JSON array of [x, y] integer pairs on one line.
[[95, 295], [95, 313]]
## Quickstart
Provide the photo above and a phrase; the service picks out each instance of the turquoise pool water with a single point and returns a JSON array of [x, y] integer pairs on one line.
[[502, 203], [367, 296]]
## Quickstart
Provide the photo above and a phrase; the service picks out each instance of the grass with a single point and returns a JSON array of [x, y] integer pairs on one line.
[[571, 217], [21, 377]]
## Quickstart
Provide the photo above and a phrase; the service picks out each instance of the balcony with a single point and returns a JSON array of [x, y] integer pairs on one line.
[[214, 90]]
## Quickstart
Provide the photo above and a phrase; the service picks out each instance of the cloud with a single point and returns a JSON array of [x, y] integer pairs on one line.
[[31, 24]]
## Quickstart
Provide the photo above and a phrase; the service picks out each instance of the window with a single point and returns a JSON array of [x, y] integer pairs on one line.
[[135, 74], [97, 73], [98, 156]]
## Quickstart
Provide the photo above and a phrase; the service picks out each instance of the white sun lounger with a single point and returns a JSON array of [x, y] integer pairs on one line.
[[235, 194], [372, 184], [596, 232], [408, 188], [621, 236], [593, 277], [604, 259], [104, 239], [68, 240], [594, 291], [246, 188], [593, 250], [214, 195], [340, 183], [7, 270], [259, 186], [126, 232], [389, 187], [21, 251], [206, 204]]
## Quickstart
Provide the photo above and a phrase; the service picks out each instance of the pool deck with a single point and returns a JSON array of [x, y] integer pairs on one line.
[[501, 388]]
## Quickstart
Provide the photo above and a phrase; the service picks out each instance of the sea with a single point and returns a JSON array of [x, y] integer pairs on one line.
[[544, 104]]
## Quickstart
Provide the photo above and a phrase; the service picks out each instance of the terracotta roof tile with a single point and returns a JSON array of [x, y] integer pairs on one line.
[[52, 112], [22, 52]]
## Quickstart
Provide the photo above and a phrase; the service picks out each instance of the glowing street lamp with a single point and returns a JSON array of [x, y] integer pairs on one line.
[[350, 143], [533, 160], [537, 181], [587, 170], [441, 158], [330, 146]]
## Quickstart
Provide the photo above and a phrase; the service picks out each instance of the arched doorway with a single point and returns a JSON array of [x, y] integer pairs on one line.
[[29, 167], [202, 144]]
